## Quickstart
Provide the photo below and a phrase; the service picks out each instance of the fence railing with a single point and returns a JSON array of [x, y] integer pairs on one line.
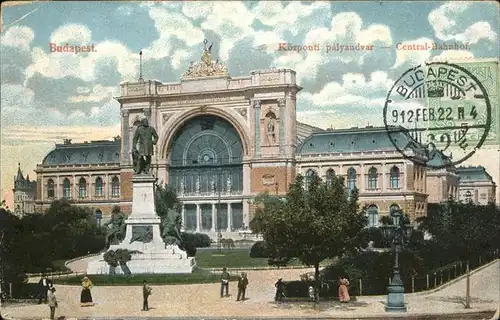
[[429, 281]]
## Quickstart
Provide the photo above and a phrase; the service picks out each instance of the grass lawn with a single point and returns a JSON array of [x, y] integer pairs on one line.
[[231, 259], [198, 276]]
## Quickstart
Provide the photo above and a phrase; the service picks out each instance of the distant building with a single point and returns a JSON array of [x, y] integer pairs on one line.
[[476, 185], [86, 173], [441, 183], [24, 193], [367, 160]]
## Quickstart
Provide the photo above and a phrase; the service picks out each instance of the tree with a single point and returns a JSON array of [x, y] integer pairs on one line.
[[462, 230], [312, 225]]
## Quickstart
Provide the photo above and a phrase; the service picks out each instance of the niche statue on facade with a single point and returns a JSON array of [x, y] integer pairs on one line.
[[271, 119]]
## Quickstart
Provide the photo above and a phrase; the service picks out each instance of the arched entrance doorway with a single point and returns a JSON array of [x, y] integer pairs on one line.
[[205, 167]]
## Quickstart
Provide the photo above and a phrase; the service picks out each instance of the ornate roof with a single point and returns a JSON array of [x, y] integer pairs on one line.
[[206, 67], [93, 152], [439, 159], [473, 173], [351, 140]]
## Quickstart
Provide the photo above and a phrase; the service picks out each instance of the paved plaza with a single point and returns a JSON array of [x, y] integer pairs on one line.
[[201, 300]]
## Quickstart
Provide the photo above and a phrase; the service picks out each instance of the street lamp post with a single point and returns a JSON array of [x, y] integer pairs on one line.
[[395, 290]]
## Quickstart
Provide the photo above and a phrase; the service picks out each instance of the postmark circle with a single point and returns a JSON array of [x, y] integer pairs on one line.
[[437, 114]]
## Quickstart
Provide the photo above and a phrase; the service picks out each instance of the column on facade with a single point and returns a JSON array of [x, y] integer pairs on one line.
[[198, 218], [90, 184], [214, 217], [405, 176], [107, 192], [229, 218], [126, 136], [256, 105], [363, 178], [384, 177], [74, 192], [183, 217], [57, 192], [281, 106]]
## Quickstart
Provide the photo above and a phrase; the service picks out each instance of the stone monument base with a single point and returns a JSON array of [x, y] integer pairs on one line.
[[143, 236], [149, 260]]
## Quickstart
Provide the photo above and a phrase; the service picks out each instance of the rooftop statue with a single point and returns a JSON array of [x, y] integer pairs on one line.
[[206, 67], [147, 137]]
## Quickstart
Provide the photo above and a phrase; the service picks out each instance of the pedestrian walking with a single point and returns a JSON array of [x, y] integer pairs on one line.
[[242, 286], [146, 292], [52, 302], [45, 284], [224, 282], [86, 295], [280, 290], [343, 291]]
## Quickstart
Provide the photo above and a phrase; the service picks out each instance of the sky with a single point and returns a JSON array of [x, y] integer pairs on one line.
[[49, 96]]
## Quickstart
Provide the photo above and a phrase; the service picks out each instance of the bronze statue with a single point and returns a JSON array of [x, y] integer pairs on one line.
[[116, 233], [147, 138], [172, 224]]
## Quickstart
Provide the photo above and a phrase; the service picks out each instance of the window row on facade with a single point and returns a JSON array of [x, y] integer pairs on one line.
[[81, 188], [372, 213], [351, 178]]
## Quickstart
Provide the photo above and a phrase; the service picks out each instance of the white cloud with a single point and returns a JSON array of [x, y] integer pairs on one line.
[[477, 31], [18, 36], [96, 94], [453, 55], [58, 65], [177, 58], [405, 55], [74, 34], [346, 29], [355, 90], [170, 24], [281, 18], [448, 23]]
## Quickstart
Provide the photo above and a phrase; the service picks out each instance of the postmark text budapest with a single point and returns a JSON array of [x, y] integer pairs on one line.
[[440, 107]]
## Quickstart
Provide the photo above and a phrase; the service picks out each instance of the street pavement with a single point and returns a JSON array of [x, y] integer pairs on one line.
[[201, 301]]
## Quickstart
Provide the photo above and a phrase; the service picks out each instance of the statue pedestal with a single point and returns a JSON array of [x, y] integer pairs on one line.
[[143, 235]]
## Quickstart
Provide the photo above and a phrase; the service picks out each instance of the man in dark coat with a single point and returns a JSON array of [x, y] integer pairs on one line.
[[224, 282], [146, 292], [242, 286], [147, 137], [45, 284]]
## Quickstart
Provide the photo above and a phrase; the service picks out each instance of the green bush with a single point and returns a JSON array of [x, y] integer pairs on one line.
[[24, 290], [196, 240], [198, 276], [259, 250]]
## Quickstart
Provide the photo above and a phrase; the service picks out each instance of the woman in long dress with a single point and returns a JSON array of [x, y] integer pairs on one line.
[[343, 292], [86, 296]]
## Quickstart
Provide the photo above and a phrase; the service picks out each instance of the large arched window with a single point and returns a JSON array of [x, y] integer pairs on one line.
[[99, 191], [82, 188], [372, 214], [330, 173], [115, 187], [66, 188], [394, 178], [351, 178], [50, 188], [206, 157], [309, 175], [372, 178]]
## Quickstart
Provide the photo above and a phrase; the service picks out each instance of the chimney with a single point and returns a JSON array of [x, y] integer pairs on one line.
[[67, 141]]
